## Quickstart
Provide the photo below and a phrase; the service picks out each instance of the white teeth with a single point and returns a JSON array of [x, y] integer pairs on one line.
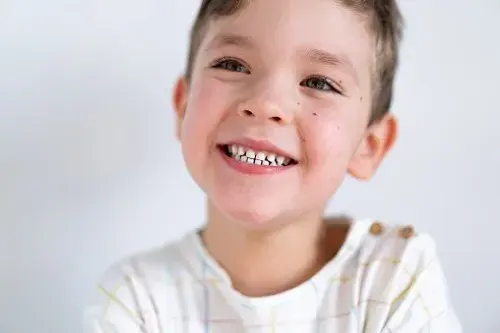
[[241, 151], [260, 158]]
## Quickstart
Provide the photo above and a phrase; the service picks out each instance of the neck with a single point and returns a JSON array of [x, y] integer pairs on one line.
[[265, 262]]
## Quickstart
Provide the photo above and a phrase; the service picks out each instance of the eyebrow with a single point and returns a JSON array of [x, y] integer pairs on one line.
[[230, 40], [313, 55], [329, 59]]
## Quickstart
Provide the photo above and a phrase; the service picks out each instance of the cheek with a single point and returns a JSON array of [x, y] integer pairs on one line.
[[198, 127], [328, 143], [203, 110], [330, 135]]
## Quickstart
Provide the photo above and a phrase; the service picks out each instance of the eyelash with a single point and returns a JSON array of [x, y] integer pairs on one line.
[[324, 82], [229, 61]]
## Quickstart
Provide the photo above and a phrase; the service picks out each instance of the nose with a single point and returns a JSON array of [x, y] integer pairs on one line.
[[271, 116], [268, 104]]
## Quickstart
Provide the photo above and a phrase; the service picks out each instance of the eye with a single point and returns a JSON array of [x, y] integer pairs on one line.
[[231, 65], [320, 83]]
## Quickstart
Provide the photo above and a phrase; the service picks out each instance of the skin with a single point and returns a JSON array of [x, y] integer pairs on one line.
[[300, 79]]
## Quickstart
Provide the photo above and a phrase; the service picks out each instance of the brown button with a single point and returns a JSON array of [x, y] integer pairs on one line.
[[377, 228], [407, 232]]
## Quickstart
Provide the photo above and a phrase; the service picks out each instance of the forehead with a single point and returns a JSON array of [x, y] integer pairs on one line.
[[287, 27]]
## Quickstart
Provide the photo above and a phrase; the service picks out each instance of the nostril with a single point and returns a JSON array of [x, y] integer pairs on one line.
[[248, 113]]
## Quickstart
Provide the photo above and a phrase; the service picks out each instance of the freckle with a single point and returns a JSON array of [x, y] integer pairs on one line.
[[298, 103], [361, 98]]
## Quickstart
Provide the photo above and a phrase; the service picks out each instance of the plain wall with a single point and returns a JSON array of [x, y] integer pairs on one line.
[[90, 170]]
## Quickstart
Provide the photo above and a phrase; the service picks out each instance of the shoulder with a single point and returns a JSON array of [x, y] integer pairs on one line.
[[400, 275], [403, 243], [396, 255], [152, 264], [130, 291]]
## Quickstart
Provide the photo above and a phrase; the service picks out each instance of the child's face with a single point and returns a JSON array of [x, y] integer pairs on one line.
[[295, 74]]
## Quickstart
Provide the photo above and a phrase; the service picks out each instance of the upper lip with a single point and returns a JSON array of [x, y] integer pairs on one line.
[[261, 145]]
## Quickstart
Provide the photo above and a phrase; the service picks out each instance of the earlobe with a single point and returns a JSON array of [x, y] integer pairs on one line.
[[180, 97], [379, 139]]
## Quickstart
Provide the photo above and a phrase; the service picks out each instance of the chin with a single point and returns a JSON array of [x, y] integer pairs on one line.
[[252, 215], [252, 219]]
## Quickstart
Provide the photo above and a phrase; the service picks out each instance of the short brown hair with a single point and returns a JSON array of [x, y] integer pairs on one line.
[[384, 19]]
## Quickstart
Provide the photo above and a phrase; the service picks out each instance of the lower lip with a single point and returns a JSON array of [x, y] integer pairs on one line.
[[252, 169]]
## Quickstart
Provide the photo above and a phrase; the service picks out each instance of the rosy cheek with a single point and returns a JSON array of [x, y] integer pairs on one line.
[[204, 105], [203, 93], [326, 134], [327, 142]]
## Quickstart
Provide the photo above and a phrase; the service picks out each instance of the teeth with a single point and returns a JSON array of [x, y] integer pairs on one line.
[[260, 158]]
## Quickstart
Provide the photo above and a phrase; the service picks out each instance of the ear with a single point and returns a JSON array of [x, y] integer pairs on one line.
[[378, 140], [180, 98]]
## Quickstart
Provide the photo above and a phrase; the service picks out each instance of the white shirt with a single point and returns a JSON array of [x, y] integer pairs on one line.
[[380, 281]]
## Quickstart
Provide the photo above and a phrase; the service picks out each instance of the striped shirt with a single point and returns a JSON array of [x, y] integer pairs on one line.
[[384, 280]]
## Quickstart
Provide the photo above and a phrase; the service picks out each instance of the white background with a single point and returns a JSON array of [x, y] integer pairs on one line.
[[90, 170]]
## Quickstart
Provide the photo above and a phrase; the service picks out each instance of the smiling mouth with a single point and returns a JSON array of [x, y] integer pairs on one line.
[[249, 156]]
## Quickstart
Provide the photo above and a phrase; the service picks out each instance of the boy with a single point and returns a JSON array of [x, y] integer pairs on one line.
[[280, 100]]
